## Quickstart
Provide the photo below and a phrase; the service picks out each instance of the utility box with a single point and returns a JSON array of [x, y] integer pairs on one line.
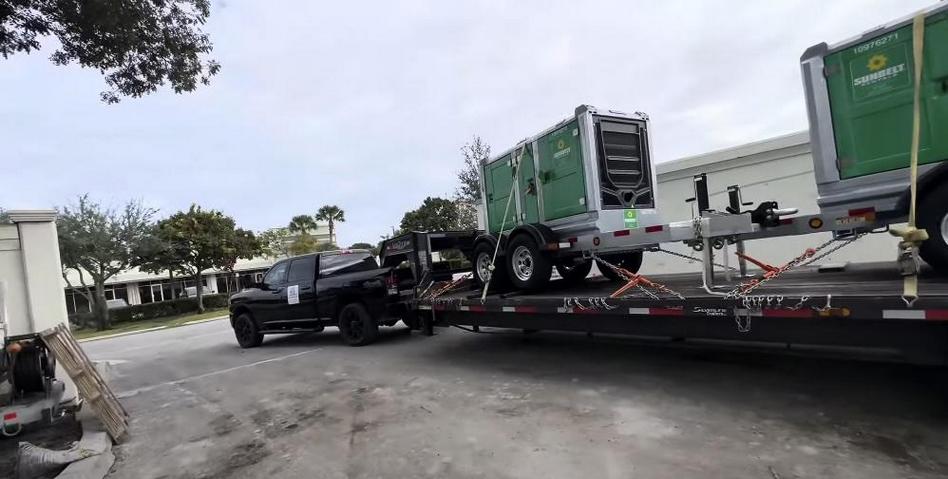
[[860, 104], [590, 172]]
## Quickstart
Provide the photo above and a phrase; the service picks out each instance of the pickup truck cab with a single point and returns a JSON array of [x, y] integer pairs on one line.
[[307, 293]]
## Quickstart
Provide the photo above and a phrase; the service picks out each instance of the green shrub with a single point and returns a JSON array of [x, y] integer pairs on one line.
[[176, 307]]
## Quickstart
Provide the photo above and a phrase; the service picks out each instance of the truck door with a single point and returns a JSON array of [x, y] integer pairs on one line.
[[301, 288], [272, 294]]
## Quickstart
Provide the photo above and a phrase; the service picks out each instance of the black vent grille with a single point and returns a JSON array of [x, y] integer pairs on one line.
[[626, 175]]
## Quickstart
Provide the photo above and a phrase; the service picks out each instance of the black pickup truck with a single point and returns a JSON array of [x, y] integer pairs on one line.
[[307, 293]]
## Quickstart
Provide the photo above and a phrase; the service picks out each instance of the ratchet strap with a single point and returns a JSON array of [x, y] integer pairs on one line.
[[912, 237]]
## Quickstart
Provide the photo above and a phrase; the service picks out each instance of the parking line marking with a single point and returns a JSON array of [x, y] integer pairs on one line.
[[132, 392]]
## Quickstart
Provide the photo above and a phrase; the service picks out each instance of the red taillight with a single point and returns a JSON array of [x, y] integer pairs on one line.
[[621, 233], [9, 416]]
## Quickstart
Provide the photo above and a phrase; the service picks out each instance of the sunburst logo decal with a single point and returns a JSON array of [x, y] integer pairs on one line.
[[877, 62]]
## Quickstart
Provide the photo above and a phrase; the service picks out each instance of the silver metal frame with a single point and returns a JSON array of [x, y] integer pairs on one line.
[[594, 219]]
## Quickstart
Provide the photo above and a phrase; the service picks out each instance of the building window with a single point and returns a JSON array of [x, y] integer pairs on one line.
[[144, 293]]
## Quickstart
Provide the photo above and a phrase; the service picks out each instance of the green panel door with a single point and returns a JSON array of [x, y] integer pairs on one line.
[[561, 173], [530, 212], [870, 88], [498, 176]]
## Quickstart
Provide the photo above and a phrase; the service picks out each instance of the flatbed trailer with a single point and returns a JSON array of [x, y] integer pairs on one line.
[[860, 307], [856, 306]]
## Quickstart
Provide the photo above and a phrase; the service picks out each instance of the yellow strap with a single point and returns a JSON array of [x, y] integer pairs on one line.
[[911, 236], [918, 41]]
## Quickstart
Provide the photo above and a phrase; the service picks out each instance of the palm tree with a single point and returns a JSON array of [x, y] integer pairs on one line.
[[301, 224], [331, 214]]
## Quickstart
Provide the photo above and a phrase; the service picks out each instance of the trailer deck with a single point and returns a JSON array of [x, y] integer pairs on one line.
[[858, 307]]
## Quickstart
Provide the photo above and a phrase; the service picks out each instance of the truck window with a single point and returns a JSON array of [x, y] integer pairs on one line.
[[346, 263], [302, 269], [277, 274]]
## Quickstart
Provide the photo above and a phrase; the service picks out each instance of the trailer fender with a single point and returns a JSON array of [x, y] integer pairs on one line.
[[932, 180], [488, 238], [542, 234]]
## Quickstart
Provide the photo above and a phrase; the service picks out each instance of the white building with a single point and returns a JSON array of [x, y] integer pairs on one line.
[[778, 169]]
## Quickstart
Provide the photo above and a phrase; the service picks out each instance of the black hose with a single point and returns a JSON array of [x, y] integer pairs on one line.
[[28, 374]]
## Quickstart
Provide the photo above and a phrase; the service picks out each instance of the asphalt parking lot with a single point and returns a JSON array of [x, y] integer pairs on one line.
[[511, 406]]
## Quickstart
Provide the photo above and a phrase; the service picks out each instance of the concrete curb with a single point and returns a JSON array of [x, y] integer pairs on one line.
[[96, 466], [156, 328], [118, 335], [206, 320]]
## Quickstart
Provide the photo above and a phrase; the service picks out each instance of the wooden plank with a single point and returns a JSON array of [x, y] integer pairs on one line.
[[89, 382]]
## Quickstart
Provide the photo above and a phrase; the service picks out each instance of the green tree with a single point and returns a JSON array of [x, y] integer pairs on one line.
[[331, 214], [369, 246], [156, 256], [304, 243], [468, 192], [100, 242], [202, 239], [275, 242], [138, 45], [434, 214], [328, 246], [301, 224]]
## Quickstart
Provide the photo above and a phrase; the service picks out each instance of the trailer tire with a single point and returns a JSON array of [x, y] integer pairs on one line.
[[574, 273], [527, 267], [246, 331], [933, 217], [630, 261], [357, 326], [483, 254]]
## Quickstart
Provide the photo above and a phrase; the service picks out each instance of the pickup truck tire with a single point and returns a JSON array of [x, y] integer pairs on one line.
[[483, 254], [933, 217], [356, 325], [574, 272], [528, 268], [246, 331], [629, 261]]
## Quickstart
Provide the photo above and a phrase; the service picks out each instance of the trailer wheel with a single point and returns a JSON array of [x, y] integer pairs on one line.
[[528, 268], [630, 261], [357, 326], [483, 254], [246, 332], [574, 273], [933, 217]]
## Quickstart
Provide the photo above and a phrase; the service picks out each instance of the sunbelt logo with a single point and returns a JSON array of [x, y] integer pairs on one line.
[[877, 66]]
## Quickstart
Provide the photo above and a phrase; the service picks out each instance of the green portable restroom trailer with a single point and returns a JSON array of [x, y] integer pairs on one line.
[[860, 106], [590, 172], [860, 102]]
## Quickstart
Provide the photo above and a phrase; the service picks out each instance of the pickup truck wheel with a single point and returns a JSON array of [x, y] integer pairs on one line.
[[574, 272], [528, 268], [629, 261], [245, 329], [483, 255], [357, 326], [933, 217]]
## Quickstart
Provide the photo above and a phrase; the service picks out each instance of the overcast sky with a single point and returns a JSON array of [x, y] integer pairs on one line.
[[366, 106]]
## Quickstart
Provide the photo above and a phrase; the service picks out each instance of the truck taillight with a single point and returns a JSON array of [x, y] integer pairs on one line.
[[390, 280]]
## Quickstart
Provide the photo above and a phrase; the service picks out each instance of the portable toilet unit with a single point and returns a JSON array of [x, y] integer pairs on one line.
[[591, 172], [859, 96]]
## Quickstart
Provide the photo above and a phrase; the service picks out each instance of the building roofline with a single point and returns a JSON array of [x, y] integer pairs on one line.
[[735, 152]]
